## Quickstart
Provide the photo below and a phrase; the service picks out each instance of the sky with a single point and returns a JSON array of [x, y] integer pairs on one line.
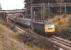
[[12, 4]]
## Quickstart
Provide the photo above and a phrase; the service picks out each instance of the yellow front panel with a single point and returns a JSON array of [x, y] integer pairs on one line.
[[47, 29]]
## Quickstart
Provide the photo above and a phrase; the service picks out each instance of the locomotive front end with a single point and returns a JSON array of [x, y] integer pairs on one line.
[[49, 28]]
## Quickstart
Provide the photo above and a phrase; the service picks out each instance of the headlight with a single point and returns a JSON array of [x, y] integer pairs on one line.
[[50, 25]]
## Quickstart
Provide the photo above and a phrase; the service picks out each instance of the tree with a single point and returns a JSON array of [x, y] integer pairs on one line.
[[59, 1]]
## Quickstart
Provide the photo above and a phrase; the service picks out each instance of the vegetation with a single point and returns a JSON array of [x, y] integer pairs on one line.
[[10, 40], [59, 1], [60, 21], [66, 32], [63, 25]]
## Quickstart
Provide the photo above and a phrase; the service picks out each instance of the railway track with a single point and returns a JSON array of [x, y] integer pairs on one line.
[[56, 41], [60, 42]]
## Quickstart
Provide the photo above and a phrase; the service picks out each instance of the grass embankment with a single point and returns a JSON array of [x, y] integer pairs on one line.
[[60, 22], [8, 39], [63, 25], [66, 32]]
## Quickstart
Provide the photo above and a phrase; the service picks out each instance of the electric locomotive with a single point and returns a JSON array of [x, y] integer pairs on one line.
[[43, 28]]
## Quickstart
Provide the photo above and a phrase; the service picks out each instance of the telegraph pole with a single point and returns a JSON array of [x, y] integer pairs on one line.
[[0, 7]]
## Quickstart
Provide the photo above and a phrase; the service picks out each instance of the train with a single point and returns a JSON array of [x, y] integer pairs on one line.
[[40, 27], [44, 28], [25, 22]]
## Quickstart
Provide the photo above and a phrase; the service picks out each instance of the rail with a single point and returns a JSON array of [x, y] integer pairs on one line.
[[57, 41]]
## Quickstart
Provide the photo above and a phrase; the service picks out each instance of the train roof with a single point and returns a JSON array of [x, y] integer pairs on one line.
[[43, 22]]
